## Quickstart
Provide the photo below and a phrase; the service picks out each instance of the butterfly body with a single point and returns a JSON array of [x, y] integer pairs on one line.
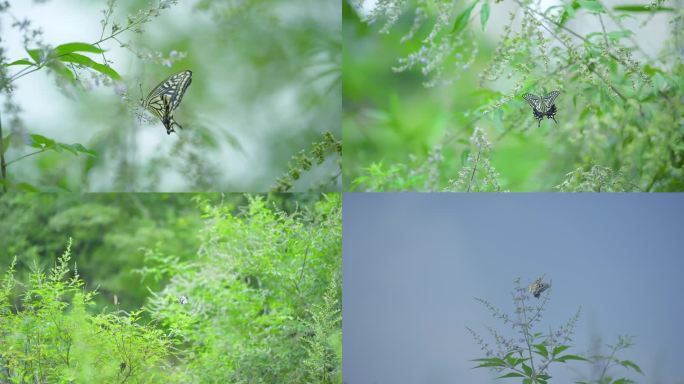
[[543, 106], [538, 287], [166, 97]]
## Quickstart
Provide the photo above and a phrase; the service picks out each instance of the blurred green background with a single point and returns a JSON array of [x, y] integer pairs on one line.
[[266, 85]]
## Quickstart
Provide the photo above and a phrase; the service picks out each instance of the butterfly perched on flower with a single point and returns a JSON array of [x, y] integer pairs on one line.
[[166, 97], [538, 287], [542, 106]]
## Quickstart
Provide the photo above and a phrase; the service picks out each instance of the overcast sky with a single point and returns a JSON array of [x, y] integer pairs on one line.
[[414, 262]]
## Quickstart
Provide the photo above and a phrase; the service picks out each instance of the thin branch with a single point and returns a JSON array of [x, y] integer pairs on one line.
[[27, 155], [3, 166], [472, 175], [605, 34]]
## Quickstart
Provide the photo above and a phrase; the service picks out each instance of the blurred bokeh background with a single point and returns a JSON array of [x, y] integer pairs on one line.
[[392, 118], [413, 264], [266, 85]]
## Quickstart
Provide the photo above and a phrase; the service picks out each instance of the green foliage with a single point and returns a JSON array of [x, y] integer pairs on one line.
[[267, 282], [114, 233], [263, 295], [256, 300], [49, 335], [304, 162], [477, 174], [618, 110]]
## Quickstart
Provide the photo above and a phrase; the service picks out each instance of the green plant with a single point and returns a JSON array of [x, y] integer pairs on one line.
[[304, 162], [50, 336], [263, 298], [618, 107], [530, 355]]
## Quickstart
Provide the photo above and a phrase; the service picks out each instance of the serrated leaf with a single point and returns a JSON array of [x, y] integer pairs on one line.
[[76, 47], [463, 18], [484, 15]]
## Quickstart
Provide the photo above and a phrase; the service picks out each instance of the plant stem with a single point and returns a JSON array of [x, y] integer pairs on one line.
[[526, 332], [24, 156], [3, 166], [472, 175]]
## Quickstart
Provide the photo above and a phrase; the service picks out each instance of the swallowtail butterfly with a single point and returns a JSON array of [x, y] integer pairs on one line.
[[166, 97], [543, 106], [538, 287]]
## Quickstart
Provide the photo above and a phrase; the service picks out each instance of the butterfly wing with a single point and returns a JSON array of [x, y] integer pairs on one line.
[[167, 96], [549, 99], [534, 101], [550, 106]]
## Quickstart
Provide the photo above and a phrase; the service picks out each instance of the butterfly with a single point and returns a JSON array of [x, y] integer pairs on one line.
[[166, 97], [182, 300], [542, 106], [538, 287]]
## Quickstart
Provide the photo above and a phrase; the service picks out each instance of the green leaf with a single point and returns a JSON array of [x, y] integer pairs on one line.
[[565, 358], [629, 364], [527, 369], [39, 141], [541, 350], [90, 63], [591, 6], [19, 62], [512, 374], [463, 18], [491, 362], [641, 8], [484, 15], [559, 348], [568, 12], [35, 55], [76, 47]]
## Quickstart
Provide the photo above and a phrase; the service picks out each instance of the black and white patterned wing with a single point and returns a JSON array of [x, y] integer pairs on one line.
[[534, 101], [167, 96], [549, 99]]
